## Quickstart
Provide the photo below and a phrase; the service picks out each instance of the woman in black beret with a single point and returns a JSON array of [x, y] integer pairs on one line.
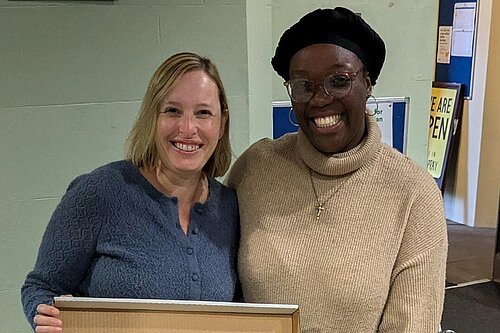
[[332, 218]]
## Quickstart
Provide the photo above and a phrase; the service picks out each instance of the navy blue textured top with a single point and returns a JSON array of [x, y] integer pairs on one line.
[[114, 235]]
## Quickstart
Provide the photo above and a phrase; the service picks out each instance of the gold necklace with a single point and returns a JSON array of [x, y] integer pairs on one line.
[[320, 206]]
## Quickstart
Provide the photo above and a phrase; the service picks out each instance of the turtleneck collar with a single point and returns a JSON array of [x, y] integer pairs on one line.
[[342, 163]]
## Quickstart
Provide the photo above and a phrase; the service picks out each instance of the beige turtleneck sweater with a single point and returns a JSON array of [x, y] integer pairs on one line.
[[373, 262]]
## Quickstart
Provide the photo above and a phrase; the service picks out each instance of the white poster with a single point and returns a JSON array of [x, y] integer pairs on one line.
[[463, 29], [444, 45], [383, 115]]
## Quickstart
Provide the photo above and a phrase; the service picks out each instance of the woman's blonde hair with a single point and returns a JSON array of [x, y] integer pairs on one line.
[[141, 148]]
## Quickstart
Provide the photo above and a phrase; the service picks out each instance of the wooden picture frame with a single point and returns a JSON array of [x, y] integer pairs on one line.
[[103, 315]]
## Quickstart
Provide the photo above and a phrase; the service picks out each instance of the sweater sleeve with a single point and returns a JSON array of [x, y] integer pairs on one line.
[[416, 296], [67, 246], [237, 171]]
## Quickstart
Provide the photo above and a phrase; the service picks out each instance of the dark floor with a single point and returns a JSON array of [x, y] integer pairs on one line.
[[471, 309], [470, 253], [472, 300]]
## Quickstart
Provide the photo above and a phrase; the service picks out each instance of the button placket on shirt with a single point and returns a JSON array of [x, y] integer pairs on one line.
[[191, 257]]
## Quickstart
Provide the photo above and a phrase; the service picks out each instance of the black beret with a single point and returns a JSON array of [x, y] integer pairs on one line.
[[338, 26]]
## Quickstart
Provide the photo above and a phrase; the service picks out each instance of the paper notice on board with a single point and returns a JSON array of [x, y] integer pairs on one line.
[[462, 38], [462, 43], [463, 16], [383, 115], [444, 45]]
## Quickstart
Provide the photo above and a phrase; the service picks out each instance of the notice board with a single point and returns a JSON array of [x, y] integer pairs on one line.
[[391, 114], [457, 25]]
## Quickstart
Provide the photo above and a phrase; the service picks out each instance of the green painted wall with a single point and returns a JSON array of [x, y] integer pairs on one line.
[[72, 76]]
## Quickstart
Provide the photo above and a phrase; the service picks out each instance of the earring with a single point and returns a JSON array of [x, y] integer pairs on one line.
[[290, 118], [368, 111]]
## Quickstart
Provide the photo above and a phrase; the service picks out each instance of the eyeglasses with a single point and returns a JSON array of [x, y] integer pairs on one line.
[[337, 85]]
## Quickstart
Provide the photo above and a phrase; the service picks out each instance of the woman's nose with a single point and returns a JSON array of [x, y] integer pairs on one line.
[[187, 126], [320, 97]]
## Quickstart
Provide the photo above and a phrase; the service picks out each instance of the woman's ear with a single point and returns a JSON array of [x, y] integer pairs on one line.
[[369, 87]]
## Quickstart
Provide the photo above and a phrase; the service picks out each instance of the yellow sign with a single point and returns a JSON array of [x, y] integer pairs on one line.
[[440, 127]]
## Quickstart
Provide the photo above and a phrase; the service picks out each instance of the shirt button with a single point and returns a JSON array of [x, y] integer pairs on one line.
[[189, 250], [195, 277], [195, 231]]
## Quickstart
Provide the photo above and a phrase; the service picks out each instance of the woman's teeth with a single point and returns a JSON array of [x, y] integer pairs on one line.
[[327, 121], [186, 147]]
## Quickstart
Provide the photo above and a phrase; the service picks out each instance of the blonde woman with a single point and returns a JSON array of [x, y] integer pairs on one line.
[[156, 225]]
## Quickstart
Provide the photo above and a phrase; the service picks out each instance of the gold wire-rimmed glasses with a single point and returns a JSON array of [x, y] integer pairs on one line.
[[336, 85]]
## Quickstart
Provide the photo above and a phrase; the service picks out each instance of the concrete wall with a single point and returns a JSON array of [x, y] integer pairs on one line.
[[488, 190]]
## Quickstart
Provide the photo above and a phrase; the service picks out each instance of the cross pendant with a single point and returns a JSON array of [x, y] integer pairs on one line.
[[319, 209]]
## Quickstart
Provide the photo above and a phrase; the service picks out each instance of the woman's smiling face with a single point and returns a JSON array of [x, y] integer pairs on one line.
[[332, 125], [190, 123]]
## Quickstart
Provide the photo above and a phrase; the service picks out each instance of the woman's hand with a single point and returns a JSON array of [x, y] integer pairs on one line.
[[45, 321]]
